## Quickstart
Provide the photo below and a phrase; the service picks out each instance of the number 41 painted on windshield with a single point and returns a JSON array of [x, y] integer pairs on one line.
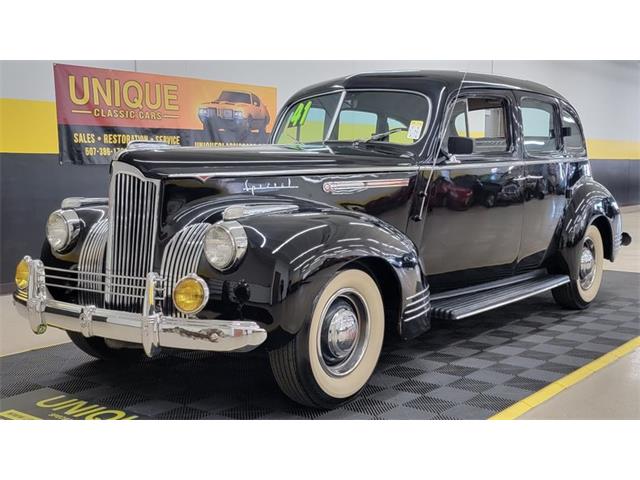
[[299, 115]]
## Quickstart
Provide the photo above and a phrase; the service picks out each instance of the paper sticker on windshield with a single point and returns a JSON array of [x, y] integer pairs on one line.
[[415, 129]]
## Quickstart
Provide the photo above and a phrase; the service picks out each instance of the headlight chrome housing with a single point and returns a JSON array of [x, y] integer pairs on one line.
[[190, 294], [63, 227], [225, 243]]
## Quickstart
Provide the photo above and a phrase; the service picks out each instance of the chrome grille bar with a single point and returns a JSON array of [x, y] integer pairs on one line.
[[91, 264], [181, 257], [133, 212]]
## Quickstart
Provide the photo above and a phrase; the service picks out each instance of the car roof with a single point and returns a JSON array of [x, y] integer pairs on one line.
[[425, 81]]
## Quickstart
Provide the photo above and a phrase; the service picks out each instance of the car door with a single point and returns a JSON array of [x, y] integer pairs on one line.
[[545, 176], [473, 225]]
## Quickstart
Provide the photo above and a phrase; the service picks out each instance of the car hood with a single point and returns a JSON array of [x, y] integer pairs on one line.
[[262, 160]]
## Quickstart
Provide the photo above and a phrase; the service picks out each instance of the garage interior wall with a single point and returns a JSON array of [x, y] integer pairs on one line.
[[32, 183]]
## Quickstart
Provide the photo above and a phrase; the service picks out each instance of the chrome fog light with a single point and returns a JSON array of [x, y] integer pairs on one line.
[[225, 243], [63, 227]]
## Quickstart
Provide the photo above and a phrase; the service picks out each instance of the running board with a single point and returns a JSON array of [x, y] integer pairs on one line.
[[463, 303]]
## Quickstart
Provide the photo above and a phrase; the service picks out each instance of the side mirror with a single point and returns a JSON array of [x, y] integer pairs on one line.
[[460, 145], [566, 131]]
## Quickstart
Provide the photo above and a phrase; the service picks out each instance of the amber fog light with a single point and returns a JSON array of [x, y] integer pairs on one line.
[[22, 275], [190, 294]]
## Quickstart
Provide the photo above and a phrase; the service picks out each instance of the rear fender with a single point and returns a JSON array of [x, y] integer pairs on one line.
[[591, 203]]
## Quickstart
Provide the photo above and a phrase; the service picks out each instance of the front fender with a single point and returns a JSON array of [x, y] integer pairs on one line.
[[89, 215], [291, 256]]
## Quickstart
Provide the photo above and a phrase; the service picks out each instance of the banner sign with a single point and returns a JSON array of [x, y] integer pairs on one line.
[[100, 110]]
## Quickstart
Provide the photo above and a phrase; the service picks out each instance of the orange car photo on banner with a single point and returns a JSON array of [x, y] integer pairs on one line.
[[100, 110]]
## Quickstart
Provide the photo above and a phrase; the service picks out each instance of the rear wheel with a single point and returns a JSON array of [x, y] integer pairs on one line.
[[331, 359], [97, 347], [588, 258]]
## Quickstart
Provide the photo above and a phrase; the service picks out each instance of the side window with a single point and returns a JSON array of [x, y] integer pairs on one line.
[[572, 134], [355, 124], [483, 120], [538, 126], [256, 100]]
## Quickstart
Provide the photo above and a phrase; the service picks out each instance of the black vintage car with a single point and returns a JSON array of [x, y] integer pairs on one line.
[[350, 225]]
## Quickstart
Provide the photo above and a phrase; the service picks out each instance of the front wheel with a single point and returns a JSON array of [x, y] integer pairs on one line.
[[588, 258], [331, 359]]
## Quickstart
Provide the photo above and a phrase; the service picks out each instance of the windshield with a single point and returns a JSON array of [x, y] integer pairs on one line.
[[234, 97], [376, 116]]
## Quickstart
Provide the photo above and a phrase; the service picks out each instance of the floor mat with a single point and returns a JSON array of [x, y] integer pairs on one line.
[[471, 369]]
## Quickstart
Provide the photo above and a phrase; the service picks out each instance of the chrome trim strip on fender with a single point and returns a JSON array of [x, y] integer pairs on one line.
[[353, 186]]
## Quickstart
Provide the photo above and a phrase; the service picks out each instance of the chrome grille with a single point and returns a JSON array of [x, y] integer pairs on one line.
[[91, 264], [181, 257], [133, 210]]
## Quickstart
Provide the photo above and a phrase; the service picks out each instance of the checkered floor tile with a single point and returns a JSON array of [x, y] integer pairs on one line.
[[465, 370]]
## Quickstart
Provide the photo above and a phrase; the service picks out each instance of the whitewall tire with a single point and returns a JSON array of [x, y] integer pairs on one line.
[[331, 359]]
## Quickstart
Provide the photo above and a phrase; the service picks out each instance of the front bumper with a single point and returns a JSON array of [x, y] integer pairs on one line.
[[151, 328]]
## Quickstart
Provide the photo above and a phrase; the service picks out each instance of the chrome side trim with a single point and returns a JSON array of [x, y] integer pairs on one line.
[[289, 173], [77, 202], [418, 306], [353, 186], [235, 212], [418, 293], [180, 258], [372, 169]]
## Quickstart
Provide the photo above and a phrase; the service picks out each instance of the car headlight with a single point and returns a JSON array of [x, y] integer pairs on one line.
[[238, 114], [22, 275], [190, 294], [63, 227], [225, 243]]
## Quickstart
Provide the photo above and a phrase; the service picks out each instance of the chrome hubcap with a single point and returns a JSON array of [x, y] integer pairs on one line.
[[344, 332], [587, 264]]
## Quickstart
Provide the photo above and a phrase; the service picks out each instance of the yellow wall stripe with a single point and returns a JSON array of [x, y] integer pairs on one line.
[[30, 126], [613, 149], [551, 390]]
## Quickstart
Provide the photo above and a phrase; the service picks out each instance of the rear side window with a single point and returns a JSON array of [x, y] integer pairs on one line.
[[572, 134], [483, 120], [538, 126]]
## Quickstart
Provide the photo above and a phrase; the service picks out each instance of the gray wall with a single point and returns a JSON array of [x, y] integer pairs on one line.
[[606, 94]]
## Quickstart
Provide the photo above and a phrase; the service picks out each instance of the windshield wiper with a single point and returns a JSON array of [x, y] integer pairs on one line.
[[378, 136]]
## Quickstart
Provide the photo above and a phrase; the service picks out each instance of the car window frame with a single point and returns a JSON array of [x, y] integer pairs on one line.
[[557, 122], [511, 153], [573, 152], [417, 146]]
